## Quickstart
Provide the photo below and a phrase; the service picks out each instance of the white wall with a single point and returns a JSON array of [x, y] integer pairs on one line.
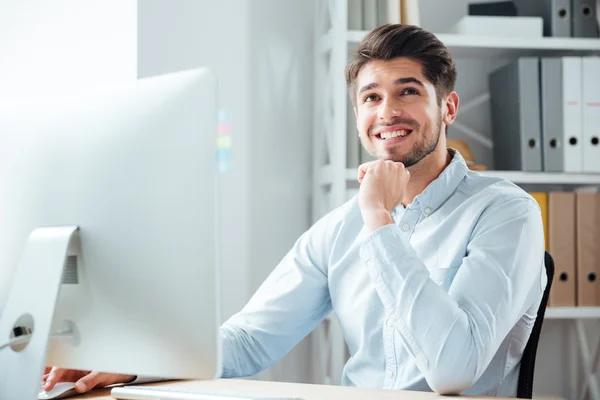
[[63, 44], [262, 53], [281, 107], [176, 35]]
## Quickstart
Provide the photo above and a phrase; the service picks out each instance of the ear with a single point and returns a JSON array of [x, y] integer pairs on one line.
[[451, 108]]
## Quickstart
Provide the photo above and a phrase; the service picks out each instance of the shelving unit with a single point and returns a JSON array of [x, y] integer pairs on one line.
[[575, 313], [518, 177], [589, 348], [466, 46], [332, 179]]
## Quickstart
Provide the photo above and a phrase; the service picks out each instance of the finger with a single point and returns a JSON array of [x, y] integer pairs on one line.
[[47, 370], [53, 377], [88, 382], [363, 168]]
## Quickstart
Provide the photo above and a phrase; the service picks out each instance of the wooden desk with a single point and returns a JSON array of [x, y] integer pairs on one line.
[[304, 391]]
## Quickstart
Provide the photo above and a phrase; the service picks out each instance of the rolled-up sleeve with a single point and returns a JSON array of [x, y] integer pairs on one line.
[[454, 336], [290, 303]]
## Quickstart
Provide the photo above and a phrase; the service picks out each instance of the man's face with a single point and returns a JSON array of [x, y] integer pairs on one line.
[[398, 117]]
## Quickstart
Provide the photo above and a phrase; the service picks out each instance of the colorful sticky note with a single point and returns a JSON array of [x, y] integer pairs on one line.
[[223, 142], [222, 115], [223, 154], [223, 160], [223, 128]]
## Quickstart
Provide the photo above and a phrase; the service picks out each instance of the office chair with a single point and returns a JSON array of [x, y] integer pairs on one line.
[[525, 384]]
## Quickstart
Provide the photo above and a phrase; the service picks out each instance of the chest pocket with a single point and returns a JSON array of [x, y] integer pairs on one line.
[[443, 277]]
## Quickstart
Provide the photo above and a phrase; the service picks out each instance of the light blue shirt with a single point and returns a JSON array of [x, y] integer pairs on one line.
[[442, 300]]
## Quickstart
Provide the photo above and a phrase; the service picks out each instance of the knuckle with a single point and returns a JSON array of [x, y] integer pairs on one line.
[[90, 378]]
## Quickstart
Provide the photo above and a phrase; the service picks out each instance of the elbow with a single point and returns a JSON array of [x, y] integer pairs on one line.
[[452, 378], [451, 385]]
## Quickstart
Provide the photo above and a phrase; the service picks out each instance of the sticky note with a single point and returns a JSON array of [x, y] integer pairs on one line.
[[223, 128], [223, 142]]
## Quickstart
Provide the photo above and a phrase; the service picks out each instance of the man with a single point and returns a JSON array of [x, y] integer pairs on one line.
[[435, 272]]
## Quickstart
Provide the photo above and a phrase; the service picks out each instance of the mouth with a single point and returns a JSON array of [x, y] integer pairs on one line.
[[393, 136]]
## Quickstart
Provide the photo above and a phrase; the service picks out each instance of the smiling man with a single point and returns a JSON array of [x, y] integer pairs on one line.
[[434, 271]]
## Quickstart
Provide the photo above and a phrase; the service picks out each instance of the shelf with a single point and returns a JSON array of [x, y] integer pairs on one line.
[[572, 313], [547, 178], [469, 46], [518, 177]]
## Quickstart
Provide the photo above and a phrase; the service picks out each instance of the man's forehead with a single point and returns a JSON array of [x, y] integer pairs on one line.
[[399, 67]]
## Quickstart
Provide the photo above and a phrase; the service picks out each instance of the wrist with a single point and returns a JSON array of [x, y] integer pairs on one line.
[[375, 219]]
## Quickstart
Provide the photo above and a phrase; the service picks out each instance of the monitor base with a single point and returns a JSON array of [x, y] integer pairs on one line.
[[29, 310]]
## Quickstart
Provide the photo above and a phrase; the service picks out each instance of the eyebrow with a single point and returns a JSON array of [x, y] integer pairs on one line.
[[401, 81]]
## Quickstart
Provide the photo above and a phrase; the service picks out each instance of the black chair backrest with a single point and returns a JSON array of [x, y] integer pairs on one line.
[[525, 385]]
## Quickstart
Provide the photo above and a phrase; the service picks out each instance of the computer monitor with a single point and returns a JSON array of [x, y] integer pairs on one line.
[[118, 188]]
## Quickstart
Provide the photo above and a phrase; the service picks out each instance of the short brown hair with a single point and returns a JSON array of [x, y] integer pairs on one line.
[[390, 41]]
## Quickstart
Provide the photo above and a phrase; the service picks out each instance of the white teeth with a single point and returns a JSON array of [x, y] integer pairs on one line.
[[391, 135]]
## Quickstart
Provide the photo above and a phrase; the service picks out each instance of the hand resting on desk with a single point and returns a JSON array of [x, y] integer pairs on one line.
[[84, 380]]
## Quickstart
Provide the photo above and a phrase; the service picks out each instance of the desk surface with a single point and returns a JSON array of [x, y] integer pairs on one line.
[[304, 391]]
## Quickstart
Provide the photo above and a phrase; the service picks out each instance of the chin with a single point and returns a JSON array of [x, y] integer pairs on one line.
[[393, 157]]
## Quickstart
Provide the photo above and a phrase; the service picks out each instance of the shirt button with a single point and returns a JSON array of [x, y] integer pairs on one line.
[[390, 322], [428, 211], [405, 227], [390, 374]]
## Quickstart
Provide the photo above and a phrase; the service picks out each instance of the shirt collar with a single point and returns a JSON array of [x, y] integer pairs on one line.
[[436, 193]]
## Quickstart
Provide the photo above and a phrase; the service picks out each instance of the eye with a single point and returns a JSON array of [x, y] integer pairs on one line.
[[370, 98], [410, 91]]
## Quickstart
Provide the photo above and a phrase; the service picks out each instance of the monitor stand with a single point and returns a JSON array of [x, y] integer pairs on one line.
[[30, 309]]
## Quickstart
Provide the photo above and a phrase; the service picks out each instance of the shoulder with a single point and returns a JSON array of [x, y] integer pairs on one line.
[[334, 220], [493, 193], [339, 227]]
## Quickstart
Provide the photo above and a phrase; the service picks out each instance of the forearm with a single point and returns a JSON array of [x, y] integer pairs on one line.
[[242, 355], [453, 336]]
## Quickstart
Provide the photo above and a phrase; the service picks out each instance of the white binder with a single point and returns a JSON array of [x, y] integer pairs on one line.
[[562, 114], [591, 114], [394, 12]]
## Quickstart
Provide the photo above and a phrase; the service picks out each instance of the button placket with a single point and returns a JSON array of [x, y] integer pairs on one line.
[[409, 220], [389, 353]]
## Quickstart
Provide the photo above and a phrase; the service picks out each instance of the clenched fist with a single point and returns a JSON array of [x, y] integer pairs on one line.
[[382, 187]]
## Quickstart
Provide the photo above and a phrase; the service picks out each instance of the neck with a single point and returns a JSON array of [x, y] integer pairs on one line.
[[425, 172]]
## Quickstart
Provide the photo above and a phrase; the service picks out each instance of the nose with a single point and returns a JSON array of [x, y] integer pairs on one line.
[[389, 109]]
